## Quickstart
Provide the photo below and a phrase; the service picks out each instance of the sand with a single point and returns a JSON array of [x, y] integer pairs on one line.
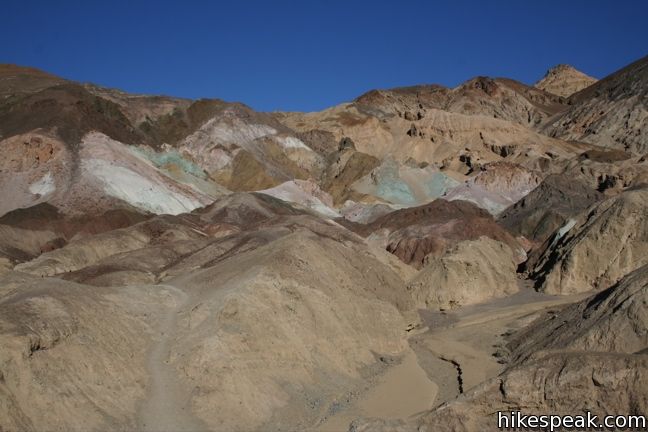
[[452, 354], [402, 392]]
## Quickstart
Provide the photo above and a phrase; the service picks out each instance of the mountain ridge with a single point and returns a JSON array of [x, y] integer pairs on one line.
[[415, 259]]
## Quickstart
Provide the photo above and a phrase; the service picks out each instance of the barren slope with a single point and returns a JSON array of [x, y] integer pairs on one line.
[[197, 265], [596, 249], [611, 113]]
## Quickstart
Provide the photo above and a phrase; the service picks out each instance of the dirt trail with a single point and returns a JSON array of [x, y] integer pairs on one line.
[[167, 408]]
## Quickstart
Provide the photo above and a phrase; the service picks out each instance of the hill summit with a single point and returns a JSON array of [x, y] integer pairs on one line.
[[564, 80]]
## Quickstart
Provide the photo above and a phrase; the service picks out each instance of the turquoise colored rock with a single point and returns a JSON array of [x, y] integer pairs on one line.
[[172, 157]]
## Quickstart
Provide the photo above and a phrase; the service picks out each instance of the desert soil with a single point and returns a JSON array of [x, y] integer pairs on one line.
[[452, 352], [166, 408]]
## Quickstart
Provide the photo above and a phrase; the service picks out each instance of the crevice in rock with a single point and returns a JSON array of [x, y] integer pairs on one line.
[[457, 366]]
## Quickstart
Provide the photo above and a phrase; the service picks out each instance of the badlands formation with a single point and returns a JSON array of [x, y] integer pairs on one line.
[[416, 259]]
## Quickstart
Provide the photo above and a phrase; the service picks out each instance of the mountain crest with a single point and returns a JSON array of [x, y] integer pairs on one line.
[[564, 80]]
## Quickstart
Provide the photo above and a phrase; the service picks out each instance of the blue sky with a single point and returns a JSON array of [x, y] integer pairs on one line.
[[308, 55]]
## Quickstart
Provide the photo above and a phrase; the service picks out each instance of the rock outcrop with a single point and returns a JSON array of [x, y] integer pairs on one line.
[[548, 207], [472, 271], [596, 249], [614, 320], [497, 186], [559, 384]]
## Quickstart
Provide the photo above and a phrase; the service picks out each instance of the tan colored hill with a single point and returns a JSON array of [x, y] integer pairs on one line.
[[492, 97], [596, 249], [47, 325], [564, 80], [473, 271], [609, 171], [431, 139], [437, 136], [458, 130], [281, 297], [611, 113], [174, 264]]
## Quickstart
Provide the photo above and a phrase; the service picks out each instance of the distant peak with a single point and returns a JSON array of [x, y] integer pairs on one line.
[[564, 80], [563, 68]]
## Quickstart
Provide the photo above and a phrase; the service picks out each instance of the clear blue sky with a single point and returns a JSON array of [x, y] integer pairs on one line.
[[307, 55]]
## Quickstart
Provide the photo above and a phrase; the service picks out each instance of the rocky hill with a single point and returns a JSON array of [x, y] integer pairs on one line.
[[415, 259], [564, 80], [611, 113]]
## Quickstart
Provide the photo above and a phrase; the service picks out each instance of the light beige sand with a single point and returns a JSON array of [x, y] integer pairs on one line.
[[404, 391], [466, 344], [469, 343]]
